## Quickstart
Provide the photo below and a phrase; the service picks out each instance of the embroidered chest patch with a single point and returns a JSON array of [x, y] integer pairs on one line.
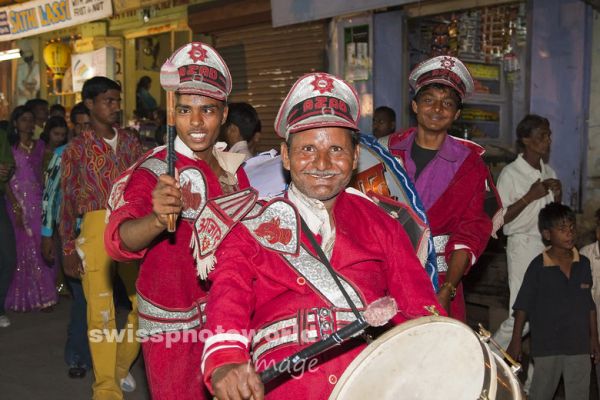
[[275, 227]]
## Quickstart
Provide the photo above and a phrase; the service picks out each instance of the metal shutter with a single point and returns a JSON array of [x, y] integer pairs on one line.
[[265, 62]]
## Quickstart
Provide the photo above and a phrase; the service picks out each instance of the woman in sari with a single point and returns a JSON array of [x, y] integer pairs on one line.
[[32, 286]]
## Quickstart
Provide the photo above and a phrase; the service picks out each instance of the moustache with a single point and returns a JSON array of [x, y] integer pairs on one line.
[[322, 173]]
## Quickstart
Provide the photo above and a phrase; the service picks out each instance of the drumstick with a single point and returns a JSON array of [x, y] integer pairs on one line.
[[169, 80], [378, 313], [516, 366]]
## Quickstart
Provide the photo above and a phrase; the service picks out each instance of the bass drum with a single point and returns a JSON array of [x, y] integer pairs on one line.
[[428, 358]]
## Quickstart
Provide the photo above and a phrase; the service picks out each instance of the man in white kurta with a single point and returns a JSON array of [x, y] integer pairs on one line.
[[524, 240]]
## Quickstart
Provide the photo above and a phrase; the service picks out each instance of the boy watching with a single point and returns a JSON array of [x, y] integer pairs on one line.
[[556, 299]]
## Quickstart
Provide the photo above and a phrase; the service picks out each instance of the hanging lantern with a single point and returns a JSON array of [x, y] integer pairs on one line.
[[57, 56]]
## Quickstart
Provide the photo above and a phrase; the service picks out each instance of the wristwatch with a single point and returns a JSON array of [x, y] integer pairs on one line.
[[451, 287]]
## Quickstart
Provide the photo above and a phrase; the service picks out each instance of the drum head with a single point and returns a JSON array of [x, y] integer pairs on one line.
[[427, 358]]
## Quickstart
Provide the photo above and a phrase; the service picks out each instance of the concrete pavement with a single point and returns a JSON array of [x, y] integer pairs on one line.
[[32, 366]]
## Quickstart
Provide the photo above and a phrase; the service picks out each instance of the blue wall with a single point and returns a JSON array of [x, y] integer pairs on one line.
[[559, 83], [389, 75]]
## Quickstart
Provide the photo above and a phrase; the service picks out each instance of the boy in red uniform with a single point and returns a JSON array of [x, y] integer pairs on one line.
[[171, 298]]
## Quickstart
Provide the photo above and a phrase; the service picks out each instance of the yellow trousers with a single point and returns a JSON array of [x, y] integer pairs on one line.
[[112, 351]]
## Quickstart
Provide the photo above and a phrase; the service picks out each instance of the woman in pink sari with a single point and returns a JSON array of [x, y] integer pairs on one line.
[[32, 286]]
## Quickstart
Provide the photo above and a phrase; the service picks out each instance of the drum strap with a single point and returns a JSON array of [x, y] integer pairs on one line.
[[327, 264]]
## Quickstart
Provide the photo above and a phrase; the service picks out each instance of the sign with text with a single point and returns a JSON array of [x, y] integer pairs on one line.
[[84, 66], [39, 16]]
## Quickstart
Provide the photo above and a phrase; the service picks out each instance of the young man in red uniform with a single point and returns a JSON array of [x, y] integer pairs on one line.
[[90, 163], [271, 282], [171, 298], [449, 174]]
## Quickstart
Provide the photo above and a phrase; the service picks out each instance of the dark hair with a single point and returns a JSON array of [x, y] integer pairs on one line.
[[13, 135], [391, 114], [354, 136], [245, 117], [527, 125], [440, 86], [553, 214], [596, 215], [53, 122], [33, 103], [78, 109], [143, 83], [57, 107], [98, 85]]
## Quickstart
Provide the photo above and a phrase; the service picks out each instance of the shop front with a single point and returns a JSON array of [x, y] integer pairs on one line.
[[264, 61]]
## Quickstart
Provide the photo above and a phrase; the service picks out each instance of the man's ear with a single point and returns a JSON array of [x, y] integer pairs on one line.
[[457, 114], [89, 103], [225, 113], [414, 106], [285, 156], [356, 156], [546, 234]]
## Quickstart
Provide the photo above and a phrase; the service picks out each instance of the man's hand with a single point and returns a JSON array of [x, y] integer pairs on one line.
[[444, 298], [514, 349], [595, 350], [5, 171], [48, 249], [237, 382], [18, 210], [72, 265], [166, 199], [537, 190], [555, 187]]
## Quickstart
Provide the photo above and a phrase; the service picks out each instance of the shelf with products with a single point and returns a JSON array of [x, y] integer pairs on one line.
[[487, 77], [480, 121]]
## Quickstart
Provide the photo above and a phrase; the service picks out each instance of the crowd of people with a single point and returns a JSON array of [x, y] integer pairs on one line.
[[272, 253]]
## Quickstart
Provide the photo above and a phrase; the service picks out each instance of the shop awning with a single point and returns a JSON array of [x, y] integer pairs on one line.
[[39, 16]]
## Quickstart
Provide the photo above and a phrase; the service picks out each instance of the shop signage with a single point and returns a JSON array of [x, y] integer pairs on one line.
[[93, 63], [484, 71], [39, 16]]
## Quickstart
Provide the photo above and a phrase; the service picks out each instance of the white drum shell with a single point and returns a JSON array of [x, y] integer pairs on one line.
[[426, 358]]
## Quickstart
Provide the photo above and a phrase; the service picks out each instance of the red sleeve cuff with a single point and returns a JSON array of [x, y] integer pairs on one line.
[[112, 239], [232, 355]]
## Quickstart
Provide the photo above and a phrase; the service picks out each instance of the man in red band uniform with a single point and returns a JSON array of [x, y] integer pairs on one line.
[[270, 281], [171, 297], [90, 163], [449, 174]]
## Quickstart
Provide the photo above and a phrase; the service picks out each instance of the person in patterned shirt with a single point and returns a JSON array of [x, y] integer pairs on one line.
[[90, 163]]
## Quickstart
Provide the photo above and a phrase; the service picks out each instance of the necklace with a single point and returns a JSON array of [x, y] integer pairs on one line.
[[27, 148]]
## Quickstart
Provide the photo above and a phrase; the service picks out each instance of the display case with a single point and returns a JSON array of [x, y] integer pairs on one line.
[[487, 110]]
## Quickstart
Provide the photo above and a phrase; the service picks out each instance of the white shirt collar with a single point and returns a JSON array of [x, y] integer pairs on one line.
[[230, 162], [525, 164], [316, 217], [241, 147]]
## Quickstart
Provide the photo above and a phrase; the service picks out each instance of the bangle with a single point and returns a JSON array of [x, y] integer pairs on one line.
[[450, 287], [524, 201]]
